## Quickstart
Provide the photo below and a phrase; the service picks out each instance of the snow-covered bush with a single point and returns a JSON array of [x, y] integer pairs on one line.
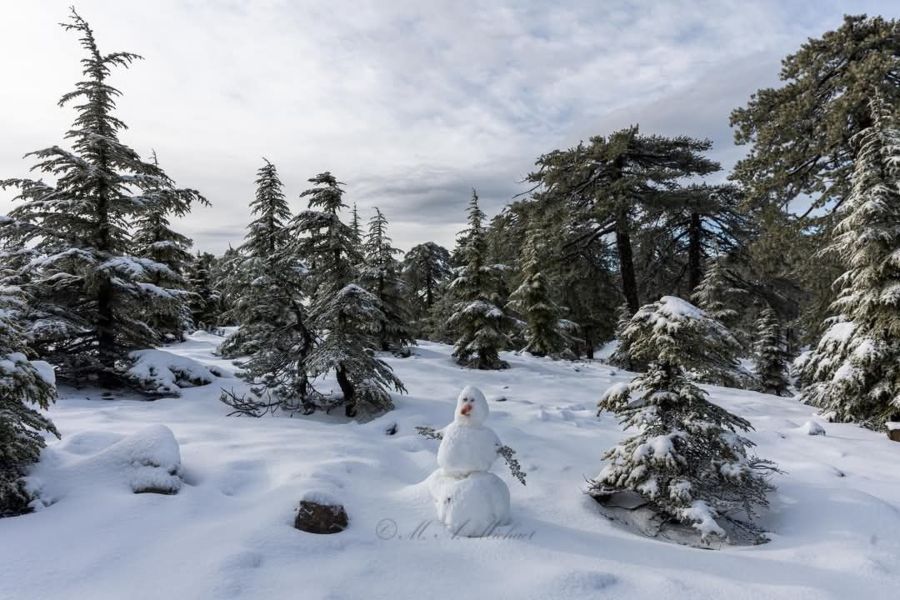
[[688, 457], [161, 372]]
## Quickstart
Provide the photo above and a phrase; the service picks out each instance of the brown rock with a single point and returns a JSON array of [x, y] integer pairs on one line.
[[894, 434], [315, 517]]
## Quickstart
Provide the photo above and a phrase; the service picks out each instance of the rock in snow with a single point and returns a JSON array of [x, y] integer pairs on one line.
[[319, 513]]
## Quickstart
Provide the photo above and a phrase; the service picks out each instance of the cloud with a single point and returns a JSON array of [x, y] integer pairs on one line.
[[411, 103]]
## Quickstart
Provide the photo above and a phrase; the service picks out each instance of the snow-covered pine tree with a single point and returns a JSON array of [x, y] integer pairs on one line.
[[478, 322], [718, 295], [854, 372], [688, 457], [381, 276], [204, 301], [770, 355], [426, 271], [533, 300], [25, 385], [89, 293], [347, 316], [222, 273], [266, 286], [252, 283], [355, 225], [155, 239]]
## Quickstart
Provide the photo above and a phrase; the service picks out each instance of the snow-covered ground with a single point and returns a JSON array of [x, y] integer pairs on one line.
[[228, 532]]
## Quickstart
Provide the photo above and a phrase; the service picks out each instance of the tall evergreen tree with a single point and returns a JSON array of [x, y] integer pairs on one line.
[[770, 356], [854, 372], [533, 299], [205, 301], [89, 293], [426, 271], [478, 320], [800, 137], [381, 276], [612, 181], [800, 134], [270, 305], [254, 285], [155, 239], [348, 317], [688, 457], [25, 386]]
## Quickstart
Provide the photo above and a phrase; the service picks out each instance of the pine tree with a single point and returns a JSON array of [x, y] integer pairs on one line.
[[381, 276], [355, 225], [612, 181], [253, 283], [426, 271], [24, 385], [267, 285], [718, 295], [713, 361], [688, 458], [89, 293], [205, 301], [477, 320], [770, 355], [348, 317], [854, 372], [155, 239], [533, 300]]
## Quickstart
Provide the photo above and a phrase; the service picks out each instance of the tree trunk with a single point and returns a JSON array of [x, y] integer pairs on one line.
[[347, 390], [106, 341], [626, 264], [588, 344], [695, 252]]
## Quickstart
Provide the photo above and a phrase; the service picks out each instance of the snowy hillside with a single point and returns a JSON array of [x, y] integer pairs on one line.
[[228, 532]]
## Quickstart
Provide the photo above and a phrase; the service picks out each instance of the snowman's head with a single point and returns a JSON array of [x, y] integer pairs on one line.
[[471, 407]]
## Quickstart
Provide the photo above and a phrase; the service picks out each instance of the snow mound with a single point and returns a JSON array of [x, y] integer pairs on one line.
[[812, 428], [161, 372], [148, 460]]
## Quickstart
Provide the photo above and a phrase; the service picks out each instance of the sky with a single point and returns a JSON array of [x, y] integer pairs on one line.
[[411, 104]]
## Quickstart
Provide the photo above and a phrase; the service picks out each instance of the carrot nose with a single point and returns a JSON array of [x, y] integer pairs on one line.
[[465, 410]]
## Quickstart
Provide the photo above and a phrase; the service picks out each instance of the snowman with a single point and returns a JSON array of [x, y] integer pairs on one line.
[[470, 500]]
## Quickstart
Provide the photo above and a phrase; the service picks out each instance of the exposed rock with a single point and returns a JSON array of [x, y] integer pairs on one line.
[[320, 515]]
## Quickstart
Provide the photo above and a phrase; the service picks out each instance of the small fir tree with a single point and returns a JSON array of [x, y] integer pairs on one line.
[[545, 334], [688, 457], [381, 275], [770, 355], [477, 320], [426, 272], [204, 301]]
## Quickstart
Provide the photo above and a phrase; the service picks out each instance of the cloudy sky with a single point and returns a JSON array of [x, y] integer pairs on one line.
[[410, 103]]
